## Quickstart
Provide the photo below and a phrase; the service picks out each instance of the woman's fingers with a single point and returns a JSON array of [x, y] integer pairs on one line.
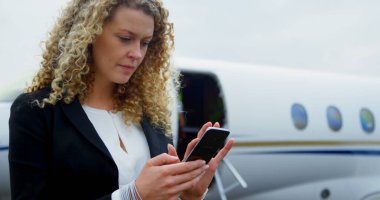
[[164, 175], [165, 172], [181, 176], [216, 125], [163, 159], [172, 151], [214, 162], [183, 167], [190, 146], [170, 165], [179, 188], [221, 154], [203, 129], [188, 176], [205, 126]]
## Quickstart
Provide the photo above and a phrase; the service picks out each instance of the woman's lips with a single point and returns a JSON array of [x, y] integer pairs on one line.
[[128, 68]]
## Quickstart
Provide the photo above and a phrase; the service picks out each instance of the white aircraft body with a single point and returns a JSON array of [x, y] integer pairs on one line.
[[298, 134]]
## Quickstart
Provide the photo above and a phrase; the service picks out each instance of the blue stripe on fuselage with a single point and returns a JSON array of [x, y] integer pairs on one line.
[[3, 148], [323, 152]]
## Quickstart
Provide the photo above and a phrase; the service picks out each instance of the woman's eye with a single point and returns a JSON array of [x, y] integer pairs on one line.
[[124, 39], [146, 43]]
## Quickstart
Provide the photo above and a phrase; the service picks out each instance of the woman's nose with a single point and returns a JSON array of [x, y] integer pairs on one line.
[[135, 51]]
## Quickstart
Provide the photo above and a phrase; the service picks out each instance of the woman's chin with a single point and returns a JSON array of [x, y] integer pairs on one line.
[[122, 80]]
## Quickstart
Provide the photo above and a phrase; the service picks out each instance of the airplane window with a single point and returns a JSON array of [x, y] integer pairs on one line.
[[334, 118], [299, 116], [202, 101], [367, 120]]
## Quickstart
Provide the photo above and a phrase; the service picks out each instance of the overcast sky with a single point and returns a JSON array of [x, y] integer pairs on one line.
[[326, 35], [332, 35]]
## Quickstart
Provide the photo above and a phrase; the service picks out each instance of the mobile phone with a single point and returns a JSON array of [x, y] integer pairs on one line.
[[209, 144]]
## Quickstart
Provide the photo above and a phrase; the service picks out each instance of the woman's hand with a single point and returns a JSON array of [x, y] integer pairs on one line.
[[165, 177], [197, 190]]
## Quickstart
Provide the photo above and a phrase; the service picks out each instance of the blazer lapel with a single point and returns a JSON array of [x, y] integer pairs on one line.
[[79, 119], [155, 137]]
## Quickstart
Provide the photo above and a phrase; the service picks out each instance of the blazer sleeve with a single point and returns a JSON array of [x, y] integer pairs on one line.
[[28, 150]]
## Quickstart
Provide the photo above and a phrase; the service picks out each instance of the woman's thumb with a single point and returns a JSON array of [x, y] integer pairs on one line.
[[172, 151]]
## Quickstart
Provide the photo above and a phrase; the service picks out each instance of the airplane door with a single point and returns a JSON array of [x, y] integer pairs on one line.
[[201, 100]]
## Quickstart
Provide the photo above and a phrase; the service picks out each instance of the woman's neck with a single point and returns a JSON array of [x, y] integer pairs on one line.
[[101, 96]]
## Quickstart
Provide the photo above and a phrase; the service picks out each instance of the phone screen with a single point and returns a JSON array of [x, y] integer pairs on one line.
[[208, 146]]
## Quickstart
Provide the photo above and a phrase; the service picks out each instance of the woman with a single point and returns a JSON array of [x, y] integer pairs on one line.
[[95, 122]]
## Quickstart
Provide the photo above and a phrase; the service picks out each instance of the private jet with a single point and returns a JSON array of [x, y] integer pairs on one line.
[[299, 134]]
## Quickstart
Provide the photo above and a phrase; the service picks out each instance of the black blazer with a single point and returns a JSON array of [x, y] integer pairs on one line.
[[55, 152]]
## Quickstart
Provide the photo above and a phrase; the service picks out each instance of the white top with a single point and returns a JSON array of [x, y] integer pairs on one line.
[[110, 126]]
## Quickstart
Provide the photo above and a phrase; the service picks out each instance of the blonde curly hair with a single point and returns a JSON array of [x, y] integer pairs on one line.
[[66, 59]]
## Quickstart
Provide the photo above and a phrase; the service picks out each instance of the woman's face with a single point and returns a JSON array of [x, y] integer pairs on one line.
[[121, 47]]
